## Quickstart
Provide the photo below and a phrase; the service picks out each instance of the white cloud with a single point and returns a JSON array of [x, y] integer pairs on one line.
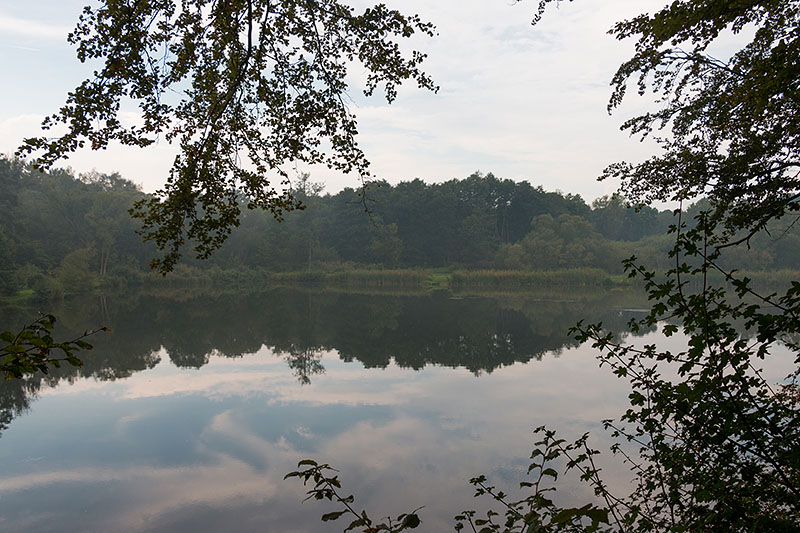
[[26, 27], [523, 102], [147, 167]]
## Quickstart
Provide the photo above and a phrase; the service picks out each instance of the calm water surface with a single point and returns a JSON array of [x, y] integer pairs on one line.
[[188, 415]]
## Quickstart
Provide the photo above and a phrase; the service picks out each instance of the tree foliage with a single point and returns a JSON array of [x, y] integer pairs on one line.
[[711, 444], [326, 486], [726, 122], [66, 233], [245, 88], [33, 349], [717, 446], [730, 123]]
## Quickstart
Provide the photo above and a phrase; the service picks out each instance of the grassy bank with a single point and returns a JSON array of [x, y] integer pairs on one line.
[[371, 279], [355, 278], [517, 279], [457, 280], [768, 279]]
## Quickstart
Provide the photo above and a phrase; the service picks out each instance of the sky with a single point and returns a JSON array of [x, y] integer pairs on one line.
[[523, 102]]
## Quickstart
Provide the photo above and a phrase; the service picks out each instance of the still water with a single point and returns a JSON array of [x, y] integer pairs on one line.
[[188, 415]]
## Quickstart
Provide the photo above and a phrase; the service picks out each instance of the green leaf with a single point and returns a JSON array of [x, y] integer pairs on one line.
[[565, 515], [14, 348], [358, 522], [411, 521], [597, 515], [332, 516], [550, 472]]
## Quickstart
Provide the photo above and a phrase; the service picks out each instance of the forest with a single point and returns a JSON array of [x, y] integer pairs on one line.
[[61, 233]]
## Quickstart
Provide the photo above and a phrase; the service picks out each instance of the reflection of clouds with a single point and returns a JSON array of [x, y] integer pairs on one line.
[[225, 435], [224, 377], [570, 386], [153, 491], [123, 424], [304, 432], [242, 470], [443, 426], [381, 447], [436, 429]]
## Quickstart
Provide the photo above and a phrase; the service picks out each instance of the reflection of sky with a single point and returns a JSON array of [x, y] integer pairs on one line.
[[206, 450]]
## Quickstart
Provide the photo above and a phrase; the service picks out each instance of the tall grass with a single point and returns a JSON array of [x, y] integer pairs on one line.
[[762, 279], [506, 279], [356, 278]]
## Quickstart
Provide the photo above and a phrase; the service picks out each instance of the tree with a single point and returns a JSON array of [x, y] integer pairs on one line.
[[731, 124], [716, 448], [616, 220], [7, 277], [245, 87], [711, 444]]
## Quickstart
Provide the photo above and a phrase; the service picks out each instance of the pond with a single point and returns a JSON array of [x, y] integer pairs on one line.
[[189, 414]]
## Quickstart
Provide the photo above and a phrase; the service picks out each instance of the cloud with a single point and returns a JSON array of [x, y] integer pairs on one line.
[[30, 28], [14, 129], [148, 167], [26, 48], [523, 102]]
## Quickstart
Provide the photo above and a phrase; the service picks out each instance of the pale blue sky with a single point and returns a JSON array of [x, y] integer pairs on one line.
[[520, 101]]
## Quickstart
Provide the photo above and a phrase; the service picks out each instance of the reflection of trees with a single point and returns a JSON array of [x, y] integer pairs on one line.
[[15, 397], [116, 355], [477, 334], [292, 330], [481, 334], [305, 363]]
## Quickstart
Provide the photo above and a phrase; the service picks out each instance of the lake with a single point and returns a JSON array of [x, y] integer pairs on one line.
[[189, 414]]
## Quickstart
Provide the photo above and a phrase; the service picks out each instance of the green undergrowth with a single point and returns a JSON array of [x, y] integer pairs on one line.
[[372, 280], [517, 279], [368, 278]]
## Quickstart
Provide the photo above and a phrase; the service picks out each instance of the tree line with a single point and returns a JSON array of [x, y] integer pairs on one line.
[[62, 233]]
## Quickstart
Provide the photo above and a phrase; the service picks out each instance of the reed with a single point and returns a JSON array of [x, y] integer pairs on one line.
[[356, 278], [763, 279], [506, 279]]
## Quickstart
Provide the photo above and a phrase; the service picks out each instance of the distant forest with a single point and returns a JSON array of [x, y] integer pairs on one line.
[[61, 233]]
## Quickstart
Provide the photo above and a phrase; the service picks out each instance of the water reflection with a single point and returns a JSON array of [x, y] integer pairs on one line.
[[479, 334], [304, 362], [187, 416]]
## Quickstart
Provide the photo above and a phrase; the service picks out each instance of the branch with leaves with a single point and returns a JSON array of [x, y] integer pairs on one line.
[[327, 487], [248, 89], [33, 349]]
